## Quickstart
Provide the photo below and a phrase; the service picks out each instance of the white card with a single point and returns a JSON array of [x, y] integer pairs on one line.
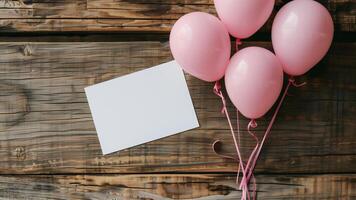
[[141, 107]]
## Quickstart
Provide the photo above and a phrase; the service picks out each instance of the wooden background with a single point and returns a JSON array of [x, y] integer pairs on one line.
[[51, 50]]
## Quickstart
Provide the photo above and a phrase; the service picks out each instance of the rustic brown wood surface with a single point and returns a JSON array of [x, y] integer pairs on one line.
[[49, 147], [46, 126], [173, 186], [127, 15]]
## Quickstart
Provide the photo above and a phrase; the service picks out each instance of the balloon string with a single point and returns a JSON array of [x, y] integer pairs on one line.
[[250, 126], [291, 81], [218, 92], [238, 127], [238, 42], [238, 139]]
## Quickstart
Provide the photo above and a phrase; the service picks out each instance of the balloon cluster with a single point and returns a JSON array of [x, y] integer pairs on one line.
[[302, 33]]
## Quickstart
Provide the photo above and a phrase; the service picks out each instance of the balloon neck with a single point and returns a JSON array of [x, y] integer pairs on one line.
[[217, 87], [238, 42], [217, 91]]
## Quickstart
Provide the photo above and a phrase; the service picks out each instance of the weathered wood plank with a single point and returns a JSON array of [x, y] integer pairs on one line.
[[127, 15], [46, 126], [84, 25], [170, 186]]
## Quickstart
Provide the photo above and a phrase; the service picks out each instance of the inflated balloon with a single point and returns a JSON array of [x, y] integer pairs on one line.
[[302, 33], [254, 79], [200, 44], [243, 17]]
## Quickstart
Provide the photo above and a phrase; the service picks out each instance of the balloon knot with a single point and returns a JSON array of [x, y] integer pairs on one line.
[[217, 91], [293, 82], [238, 41], [253, 123], [217, 87], [291, 79]]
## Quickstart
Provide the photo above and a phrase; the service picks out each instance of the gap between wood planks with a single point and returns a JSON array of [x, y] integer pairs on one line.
[[179, 173], [125, 37]]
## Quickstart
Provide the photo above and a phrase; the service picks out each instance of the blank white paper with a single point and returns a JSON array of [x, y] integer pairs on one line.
[[141, 107]]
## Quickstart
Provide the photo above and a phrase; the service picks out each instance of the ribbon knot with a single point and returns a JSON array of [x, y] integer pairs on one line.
[[292, 81], [217, 87], [238, 41], [248, 168], [217, 143], [252, 124], [217, 91]]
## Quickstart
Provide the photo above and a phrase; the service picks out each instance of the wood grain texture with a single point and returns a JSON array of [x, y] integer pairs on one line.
[[48, 144], [170, 186], [128, 15], [46, 126]]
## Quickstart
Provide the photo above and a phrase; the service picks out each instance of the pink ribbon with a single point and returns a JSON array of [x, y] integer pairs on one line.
[[218, 92], [248, 168], [245, 187]]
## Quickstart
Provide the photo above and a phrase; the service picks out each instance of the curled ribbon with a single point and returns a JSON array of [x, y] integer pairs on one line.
[[245, 189], [248, 168], [217, 143]]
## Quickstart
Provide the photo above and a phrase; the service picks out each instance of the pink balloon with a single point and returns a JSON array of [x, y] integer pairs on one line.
[[201, 45], [302, 33], [254, 79], [243, 17]]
